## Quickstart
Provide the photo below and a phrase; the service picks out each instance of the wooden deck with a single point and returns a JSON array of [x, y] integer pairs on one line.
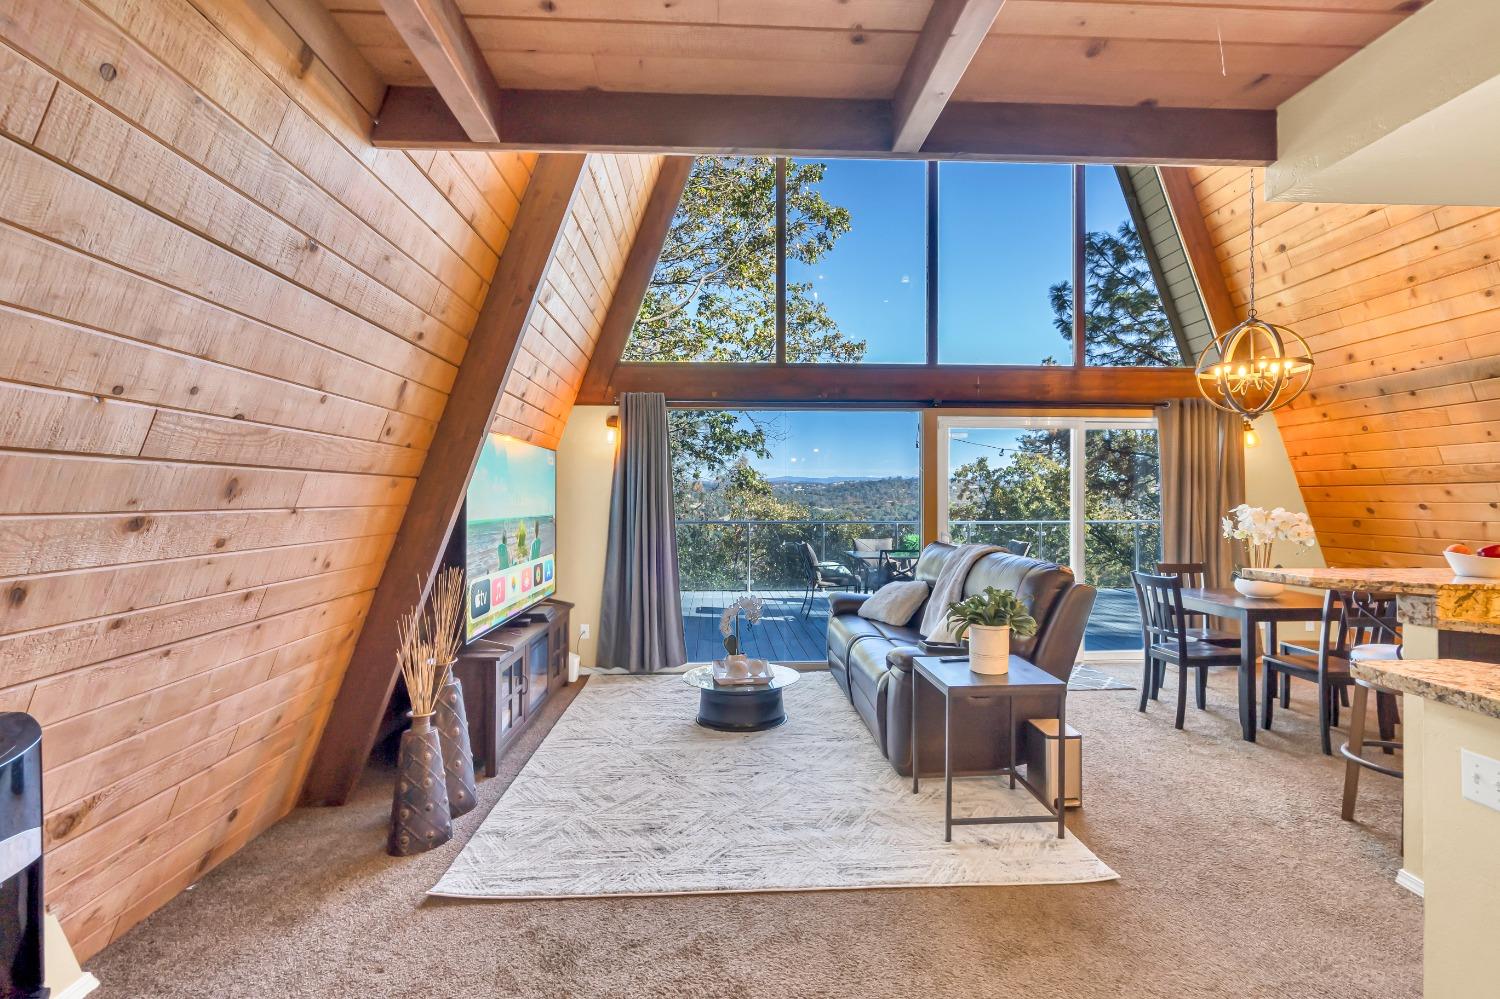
[[784, 635]]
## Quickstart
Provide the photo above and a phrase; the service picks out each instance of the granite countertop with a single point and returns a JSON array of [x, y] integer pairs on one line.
[[1434, 597], [1457, 682], [1425, 582]]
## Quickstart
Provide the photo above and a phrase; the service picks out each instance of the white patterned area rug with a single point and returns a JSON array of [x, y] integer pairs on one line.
[[629, 796]]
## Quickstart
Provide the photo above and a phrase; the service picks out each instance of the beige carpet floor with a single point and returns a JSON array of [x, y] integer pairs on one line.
[[1237, 880]]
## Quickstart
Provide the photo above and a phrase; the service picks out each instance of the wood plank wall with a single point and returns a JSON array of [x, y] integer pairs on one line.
[[575, 295], [227, 330], [1397, 442]]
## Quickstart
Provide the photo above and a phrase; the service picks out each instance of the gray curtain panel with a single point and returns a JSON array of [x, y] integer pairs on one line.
[[1202, 476], [640, 624]]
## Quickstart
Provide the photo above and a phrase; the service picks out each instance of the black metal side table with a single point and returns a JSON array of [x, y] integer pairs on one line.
[[953, 678]]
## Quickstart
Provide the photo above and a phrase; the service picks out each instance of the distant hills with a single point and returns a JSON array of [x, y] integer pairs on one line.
[[826, 478]]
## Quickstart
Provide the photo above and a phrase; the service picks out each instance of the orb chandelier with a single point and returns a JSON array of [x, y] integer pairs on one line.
[[1255, 366]]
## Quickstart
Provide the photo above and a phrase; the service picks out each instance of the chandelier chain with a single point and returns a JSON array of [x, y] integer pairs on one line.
[[1252, 243]]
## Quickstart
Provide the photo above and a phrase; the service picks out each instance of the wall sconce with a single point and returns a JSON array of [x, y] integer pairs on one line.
[[612, 428]]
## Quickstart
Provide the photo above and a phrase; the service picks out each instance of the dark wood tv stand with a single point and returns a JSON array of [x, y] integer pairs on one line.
[[508, 675]]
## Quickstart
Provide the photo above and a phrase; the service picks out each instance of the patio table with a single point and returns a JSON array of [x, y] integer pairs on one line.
[[1250, 612], [900, 559]]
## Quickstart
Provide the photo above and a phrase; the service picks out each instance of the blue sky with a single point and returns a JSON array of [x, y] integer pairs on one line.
[[1005, 233], [1004, 237]]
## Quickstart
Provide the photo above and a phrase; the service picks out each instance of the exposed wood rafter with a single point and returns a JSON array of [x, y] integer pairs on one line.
[[951, 36], [1177, 184], [896, 384], [699, 124], [635, 278], [323, 38], [439, 38], [438, 494]]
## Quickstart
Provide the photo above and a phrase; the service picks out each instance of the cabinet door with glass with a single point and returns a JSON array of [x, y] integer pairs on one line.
[[1084, 492]]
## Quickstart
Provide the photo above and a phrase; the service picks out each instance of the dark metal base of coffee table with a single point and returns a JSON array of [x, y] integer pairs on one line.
[[739, 711]]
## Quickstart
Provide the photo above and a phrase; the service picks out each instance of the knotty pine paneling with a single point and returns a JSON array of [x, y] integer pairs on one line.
[[1223, 53], [576, 291], [227, 331], [1396, 444]]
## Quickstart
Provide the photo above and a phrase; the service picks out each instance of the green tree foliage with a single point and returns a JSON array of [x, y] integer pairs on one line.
[[1125, 322], [712, 297]]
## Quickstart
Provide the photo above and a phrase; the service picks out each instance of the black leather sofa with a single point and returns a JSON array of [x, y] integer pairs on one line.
[[872, 661]]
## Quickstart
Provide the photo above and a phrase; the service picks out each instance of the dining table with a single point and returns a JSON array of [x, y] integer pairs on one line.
[[1251, 612]]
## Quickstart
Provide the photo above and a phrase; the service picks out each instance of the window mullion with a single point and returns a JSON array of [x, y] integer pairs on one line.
[[1080, 320], [780, 260]]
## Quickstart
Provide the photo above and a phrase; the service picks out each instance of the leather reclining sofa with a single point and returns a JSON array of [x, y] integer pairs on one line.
[[872, 662]]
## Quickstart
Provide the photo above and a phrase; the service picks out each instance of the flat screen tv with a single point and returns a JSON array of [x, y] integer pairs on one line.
[[509, 532]]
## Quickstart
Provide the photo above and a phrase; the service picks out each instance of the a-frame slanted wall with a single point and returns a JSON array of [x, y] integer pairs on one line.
[[576, 294], [228, 328], [1396, 444]]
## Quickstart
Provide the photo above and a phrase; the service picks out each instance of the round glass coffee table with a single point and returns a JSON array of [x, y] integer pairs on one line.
[[742, 707]]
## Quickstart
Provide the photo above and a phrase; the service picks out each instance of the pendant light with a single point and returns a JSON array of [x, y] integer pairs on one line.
[[1256, 366]]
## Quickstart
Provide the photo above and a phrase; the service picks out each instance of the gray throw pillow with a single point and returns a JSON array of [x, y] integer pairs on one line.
[[895, 603]]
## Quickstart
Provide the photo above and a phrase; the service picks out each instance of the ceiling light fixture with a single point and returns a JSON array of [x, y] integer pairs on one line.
[[1254, 367]]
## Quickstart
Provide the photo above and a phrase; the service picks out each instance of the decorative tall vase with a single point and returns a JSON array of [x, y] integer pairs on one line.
[[419, 810], [458, 755], [989, 649]]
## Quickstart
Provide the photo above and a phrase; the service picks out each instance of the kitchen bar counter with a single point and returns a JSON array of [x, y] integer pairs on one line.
[[1450, 638], [1435, 598], [1458, 682], [1458, 746]]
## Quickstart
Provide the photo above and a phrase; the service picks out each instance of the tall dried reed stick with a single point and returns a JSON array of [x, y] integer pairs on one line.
[[427, 640]]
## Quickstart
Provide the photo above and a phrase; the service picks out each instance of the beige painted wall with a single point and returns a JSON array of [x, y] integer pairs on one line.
[[1270, 482], [585, 468], [1461, 865]]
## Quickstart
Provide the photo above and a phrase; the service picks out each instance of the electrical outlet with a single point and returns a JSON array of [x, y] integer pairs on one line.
[[583, 633], [1481, 779]]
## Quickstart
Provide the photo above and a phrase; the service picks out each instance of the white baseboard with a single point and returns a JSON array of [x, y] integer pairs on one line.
[[82, 986], [1406, 879]]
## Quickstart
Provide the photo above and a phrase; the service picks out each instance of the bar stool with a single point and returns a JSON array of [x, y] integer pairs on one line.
[[1353, 750]]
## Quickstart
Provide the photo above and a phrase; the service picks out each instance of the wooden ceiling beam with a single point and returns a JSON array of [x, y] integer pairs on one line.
[[911, 385], [709, 124], [440, 40], [433, 509], [951, 36], [635, 277]]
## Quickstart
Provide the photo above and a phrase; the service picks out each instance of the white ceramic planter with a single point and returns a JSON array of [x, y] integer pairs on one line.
[[1258, 587], [989, 649]]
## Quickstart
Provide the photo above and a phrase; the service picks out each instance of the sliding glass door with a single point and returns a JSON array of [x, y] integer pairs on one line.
[[1079, 491]]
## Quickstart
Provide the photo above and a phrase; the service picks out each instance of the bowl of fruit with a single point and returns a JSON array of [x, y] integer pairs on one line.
[[1464, 561]]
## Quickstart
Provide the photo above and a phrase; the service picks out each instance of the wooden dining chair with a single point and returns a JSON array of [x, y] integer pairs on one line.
[[1192, 575], [1356, 625], [1164, 634]]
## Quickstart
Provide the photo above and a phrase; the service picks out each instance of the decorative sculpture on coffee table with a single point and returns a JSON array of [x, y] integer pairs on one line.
[[736, 667], [427, 639]]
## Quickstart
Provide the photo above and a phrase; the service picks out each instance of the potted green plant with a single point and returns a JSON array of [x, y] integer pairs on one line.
[[988, 618]]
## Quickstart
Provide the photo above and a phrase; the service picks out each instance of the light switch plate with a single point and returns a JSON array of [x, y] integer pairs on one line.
[[1481, 779]]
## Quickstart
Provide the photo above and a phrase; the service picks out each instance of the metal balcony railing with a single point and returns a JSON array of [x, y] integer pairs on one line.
[[762, 554]]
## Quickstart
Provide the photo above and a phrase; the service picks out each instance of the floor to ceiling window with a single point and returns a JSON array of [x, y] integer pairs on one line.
[[774, 503], [904, 262], [1078, 491]]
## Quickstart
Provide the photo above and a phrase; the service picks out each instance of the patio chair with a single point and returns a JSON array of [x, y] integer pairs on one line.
[[822, 576], [870, 560], [1018, 547]]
